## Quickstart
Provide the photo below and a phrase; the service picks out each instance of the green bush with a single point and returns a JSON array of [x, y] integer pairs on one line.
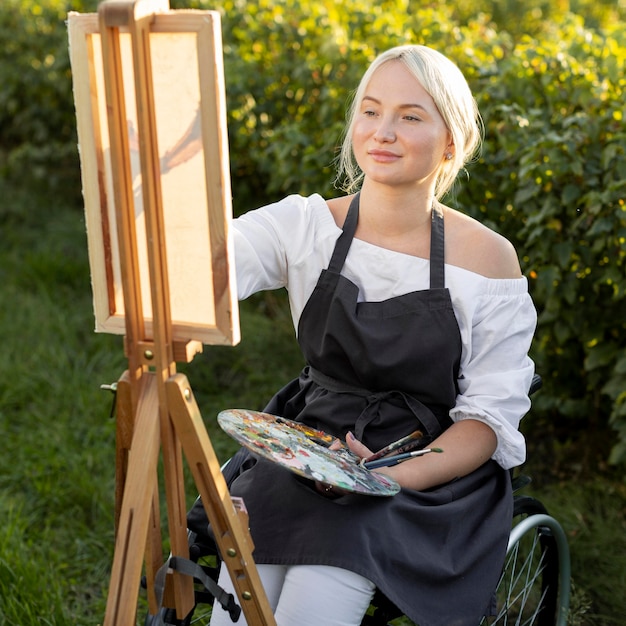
[[556, 185], [37, 123]]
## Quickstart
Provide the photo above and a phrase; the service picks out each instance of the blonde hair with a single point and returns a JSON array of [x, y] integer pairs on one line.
[[447, 86]]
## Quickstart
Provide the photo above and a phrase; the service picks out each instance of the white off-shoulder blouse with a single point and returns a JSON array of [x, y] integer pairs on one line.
[[288, 244]]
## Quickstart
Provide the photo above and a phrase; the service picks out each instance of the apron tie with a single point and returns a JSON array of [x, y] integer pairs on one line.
[[427, 419]]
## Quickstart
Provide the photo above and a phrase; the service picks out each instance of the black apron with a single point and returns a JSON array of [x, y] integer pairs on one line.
[[381, 370]]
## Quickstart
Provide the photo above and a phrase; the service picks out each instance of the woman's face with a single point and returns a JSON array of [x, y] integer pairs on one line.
[[399, 137]]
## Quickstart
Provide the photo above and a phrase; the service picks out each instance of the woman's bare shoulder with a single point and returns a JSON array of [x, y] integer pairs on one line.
[[472, 246]]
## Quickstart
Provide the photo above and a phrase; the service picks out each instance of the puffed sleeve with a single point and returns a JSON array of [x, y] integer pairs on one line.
[[496, 371], [269, 240]]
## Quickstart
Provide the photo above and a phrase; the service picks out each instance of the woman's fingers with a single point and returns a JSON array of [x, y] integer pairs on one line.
[[358, 448], [335, 445]]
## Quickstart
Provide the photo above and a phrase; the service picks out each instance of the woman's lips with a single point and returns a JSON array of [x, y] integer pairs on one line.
[[383, 156]]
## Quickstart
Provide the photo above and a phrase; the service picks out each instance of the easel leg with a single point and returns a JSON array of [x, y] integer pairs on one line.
[[136, 509], [232, 538], [125, 426], [179, 590]]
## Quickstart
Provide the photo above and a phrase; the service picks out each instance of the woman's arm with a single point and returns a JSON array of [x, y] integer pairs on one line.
[[466, 446]]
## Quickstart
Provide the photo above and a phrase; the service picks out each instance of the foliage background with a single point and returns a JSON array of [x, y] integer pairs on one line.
[[549, 79]]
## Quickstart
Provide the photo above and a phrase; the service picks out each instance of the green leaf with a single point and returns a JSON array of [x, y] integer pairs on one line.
[[570, 194], [600, 355]]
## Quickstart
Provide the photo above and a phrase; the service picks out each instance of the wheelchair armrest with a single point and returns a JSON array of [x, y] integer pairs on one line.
[[535, 384]]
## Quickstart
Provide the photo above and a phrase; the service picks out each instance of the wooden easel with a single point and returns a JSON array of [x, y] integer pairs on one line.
[[156, 408]]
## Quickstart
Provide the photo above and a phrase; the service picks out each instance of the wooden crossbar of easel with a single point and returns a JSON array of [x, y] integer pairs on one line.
[[156, 409]]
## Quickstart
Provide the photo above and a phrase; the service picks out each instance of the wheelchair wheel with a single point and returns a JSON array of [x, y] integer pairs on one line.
[[535, 584]]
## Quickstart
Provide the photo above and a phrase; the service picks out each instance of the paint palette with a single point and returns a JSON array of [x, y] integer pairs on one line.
[[304, 451]]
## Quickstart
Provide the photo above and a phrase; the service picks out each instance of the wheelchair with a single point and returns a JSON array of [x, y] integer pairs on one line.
[[533, 590]]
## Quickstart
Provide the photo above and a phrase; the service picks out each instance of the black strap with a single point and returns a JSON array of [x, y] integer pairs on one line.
[[345, 239], [189, 568], [437, 249]]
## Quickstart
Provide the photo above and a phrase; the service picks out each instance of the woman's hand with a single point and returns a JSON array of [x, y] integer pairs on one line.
[[356, 447]]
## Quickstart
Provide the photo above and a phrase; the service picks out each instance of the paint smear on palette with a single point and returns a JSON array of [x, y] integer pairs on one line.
[[304, 451]]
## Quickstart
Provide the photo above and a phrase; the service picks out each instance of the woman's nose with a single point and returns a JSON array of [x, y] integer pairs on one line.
[[385, 131]]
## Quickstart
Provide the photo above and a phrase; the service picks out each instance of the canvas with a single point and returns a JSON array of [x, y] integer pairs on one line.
[[190, 115]]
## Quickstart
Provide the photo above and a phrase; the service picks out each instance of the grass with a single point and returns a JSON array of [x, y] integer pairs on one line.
[[593, 515], [58, 439]]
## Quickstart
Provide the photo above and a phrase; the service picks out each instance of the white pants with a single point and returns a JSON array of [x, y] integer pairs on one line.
[[306, 595]]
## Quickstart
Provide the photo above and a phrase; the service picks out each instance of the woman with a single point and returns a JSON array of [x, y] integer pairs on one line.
[[401, 329]]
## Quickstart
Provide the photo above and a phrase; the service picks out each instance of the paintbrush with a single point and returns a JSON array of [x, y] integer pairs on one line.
[[389, 461], [404, 444]]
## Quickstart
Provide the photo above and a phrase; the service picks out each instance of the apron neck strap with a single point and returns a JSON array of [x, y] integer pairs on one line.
[[345, 239], [437, 269], [437, 248]]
